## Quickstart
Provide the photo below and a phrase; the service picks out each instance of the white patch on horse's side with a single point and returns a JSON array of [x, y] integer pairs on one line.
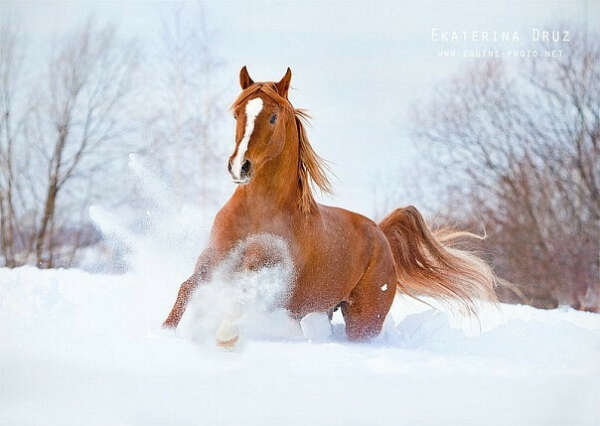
[[253, 108], [384, 287]]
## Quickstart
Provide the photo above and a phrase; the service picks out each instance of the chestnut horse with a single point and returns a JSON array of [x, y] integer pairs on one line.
[[341, 259]]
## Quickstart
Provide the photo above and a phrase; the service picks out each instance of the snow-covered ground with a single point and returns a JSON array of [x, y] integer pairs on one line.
[[81, 348], [87, 349]]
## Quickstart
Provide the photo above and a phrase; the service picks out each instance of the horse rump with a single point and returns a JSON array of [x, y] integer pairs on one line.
[[428, 263]]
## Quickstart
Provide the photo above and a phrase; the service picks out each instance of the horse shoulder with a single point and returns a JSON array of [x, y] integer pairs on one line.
[[225, 232]]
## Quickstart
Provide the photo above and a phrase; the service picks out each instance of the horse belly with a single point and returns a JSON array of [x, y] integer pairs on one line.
[[321, 289]]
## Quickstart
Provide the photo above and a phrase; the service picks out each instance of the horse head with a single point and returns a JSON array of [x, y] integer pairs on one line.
[[262, 114]]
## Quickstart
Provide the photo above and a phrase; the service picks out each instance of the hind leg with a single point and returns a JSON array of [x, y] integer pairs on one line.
[[371, 299]]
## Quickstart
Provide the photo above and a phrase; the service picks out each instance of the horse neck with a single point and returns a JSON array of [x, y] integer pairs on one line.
[[275, 186]]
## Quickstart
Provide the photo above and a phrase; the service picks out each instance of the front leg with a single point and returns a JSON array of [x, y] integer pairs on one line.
[[204, 266]]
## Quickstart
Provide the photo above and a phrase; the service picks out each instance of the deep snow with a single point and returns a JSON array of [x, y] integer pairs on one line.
[[81, 348]]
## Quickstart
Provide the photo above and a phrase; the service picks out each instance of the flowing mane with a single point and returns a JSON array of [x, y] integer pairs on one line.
[[312, 169]]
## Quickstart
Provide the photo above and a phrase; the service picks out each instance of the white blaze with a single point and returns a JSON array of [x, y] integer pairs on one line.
[[253, 108]]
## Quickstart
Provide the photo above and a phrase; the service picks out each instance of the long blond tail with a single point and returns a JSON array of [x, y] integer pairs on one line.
[[428, 265]]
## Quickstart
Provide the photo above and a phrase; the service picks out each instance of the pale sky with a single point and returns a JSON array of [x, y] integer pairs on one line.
[[358, 67]]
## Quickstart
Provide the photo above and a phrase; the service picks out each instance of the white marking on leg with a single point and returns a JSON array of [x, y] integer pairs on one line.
[[253, 108], [316, 326]]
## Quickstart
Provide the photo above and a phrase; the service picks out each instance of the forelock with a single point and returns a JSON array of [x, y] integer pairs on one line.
[[269, 90]]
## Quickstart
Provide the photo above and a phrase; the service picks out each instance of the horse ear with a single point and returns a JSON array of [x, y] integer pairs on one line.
[[245, 80], [284, 83]]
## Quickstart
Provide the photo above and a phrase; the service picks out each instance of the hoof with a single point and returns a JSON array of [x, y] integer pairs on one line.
[[227, 334]]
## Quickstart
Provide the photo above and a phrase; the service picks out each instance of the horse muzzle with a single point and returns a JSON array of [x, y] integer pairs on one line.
[[245, 173]]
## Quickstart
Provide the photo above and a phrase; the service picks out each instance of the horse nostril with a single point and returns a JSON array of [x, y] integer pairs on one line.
[[246, 167], [229, 166]]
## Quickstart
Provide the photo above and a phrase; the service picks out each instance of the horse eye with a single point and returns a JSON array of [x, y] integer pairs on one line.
[[273, 119]]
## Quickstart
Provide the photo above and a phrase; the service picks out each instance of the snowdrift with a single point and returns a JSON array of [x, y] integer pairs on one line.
[[81, 348]]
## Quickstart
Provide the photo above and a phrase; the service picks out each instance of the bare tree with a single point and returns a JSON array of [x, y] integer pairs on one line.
[[59, 139], [522, 151], [67, 126], [13, 115], [89, 83]]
